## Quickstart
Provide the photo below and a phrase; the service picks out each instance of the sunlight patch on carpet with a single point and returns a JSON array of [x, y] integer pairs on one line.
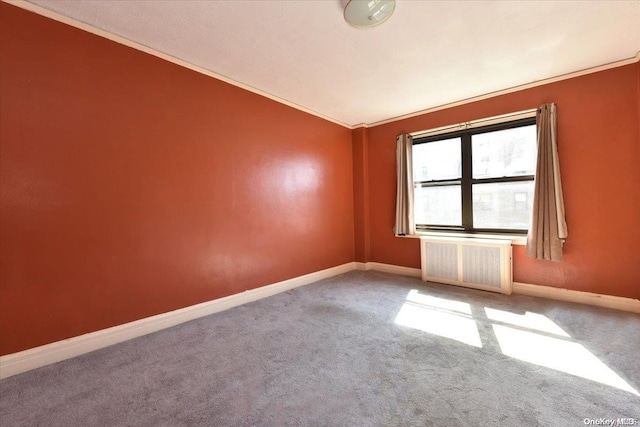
[[530, 337], [438, 316], [528, 320], [557, 353]]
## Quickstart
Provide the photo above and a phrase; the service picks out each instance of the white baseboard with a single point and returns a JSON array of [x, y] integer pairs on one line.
[[26, 360], [608, 301], [389, 268], [560, 294]]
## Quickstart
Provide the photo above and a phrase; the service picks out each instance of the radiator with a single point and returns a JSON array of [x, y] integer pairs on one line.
[[473, 263]]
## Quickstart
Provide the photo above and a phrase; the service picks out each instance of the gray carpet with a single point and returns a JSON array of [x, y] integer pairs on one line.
[[332, 354]]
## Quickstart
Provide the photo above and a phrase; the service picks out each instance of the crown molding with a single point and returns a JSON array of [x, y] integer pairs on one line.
[[525, 86], [359, 125], [39, 10]]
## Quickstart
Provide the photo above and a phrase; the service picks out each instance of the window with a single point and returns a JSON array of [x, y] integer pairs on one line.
[[478, 179]]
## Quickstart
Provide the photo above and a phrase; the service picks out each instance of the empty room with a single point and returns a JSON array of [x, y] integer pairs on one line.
[[319, 213]]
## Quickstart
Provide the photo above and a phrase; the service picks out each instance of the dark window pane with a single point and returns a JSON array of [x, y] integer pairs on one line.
[[506, 205], [508, 152], [438, 205], [437, 160]]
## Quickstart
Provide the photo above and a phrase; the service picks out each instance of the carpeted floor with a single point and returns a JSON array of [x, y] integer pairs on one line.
[[360, 349]]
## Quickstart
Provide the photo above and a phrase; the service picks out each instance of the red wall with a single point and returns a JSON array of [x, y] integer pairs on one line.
[[361, 194], [131, 186], [599, 150]]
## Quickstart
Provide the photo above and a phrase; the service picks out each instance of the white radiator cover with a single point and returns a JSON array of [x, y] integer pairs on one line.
[[474, 263]]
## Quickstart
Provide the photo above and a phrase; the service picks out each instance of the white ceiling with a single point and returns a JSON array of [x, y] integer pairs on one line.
[[428, 54]]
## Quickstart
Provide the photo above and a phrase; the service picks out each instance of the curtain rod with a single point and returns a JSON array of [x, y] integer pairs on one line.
[[476, 123]]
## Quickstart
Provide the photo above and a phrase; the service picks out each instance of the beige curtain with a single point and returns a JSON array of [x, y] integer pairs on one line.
[[548, 226], [405, 224]]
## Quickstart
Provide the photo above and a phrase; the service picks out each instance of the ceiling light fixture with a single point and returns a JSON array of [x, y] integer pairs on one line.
[[368, 13]]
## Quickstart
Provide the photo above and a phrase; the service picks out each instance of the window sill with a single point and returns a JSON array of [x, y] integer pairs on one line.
[[516, 240]]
